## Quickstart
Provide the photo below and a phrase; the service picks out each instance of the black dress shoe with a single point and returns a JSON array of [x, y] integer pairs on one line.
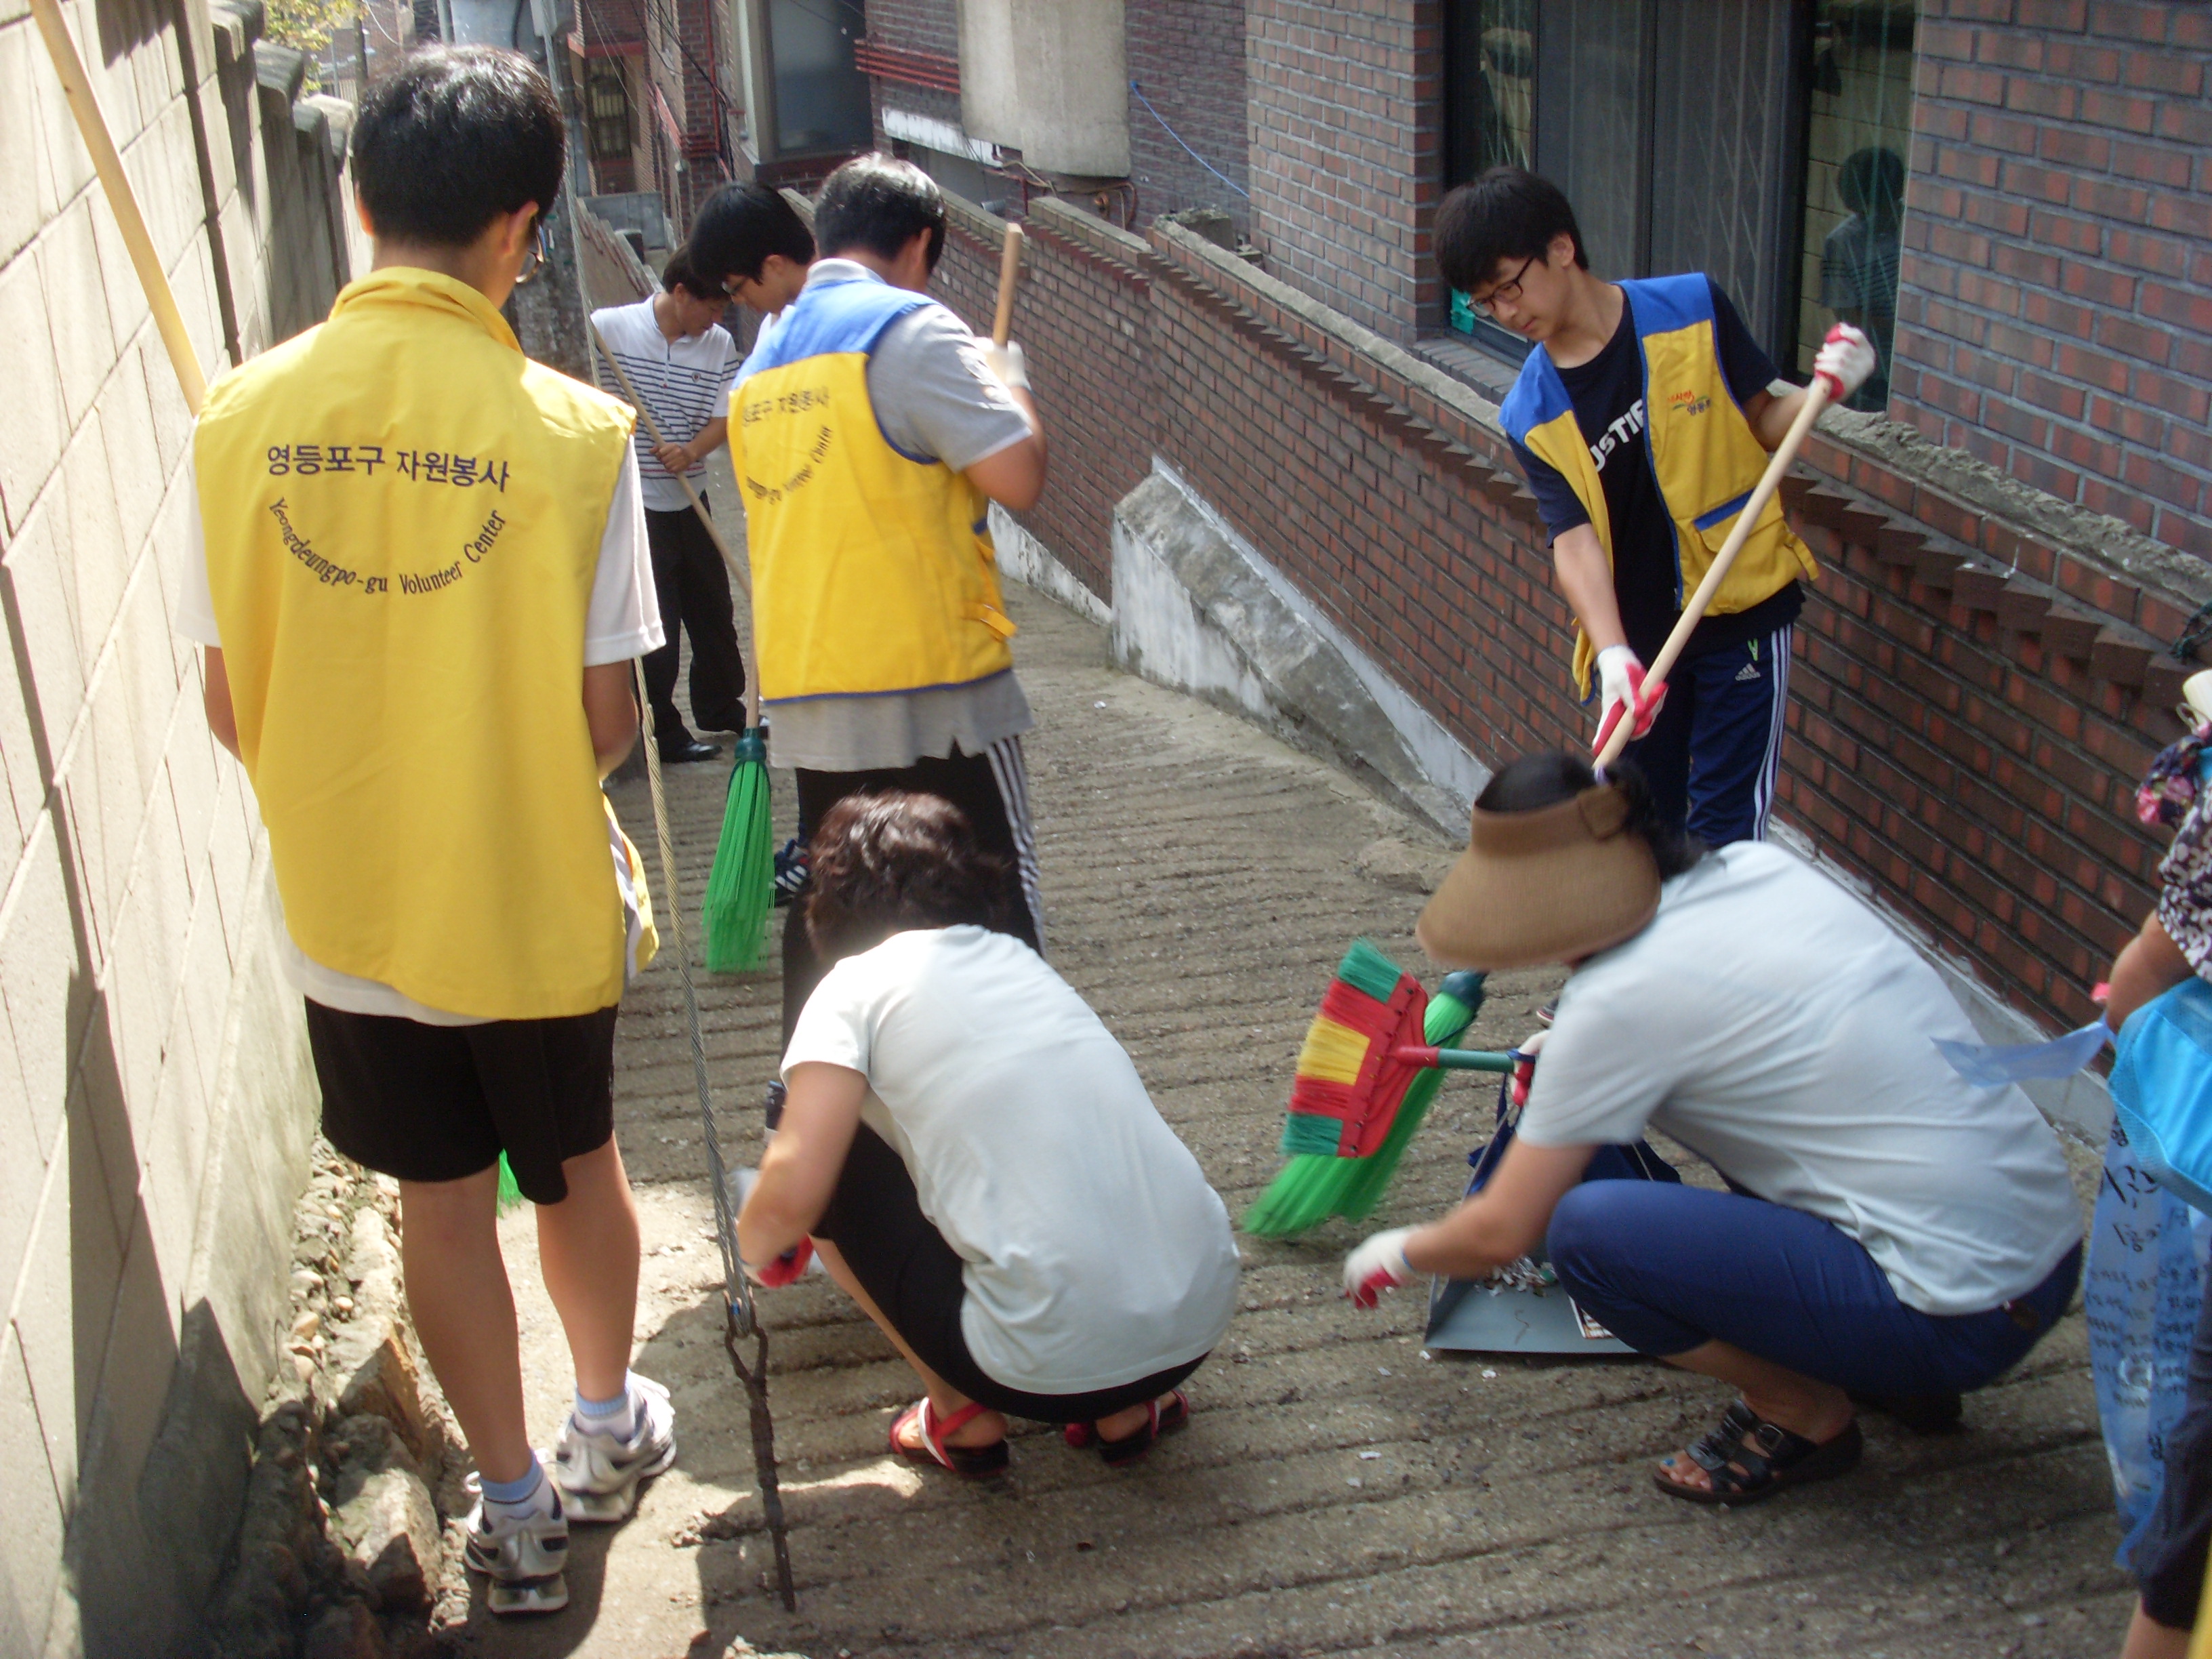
[[690, 750]]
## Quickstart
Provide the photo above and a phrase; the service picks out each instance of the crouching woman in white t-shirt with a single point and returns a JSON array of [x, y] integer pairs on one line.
[[1894, 1234], [977, 1162]]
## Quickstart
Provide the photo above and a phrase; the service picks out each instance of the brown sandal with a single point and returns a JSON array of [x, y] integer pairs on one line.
[[1748, 1459], [976, 1463]]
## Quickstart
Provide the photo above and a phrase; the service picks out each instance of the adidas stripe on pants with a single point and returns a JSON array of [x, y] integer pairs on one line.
[[1715, 753]]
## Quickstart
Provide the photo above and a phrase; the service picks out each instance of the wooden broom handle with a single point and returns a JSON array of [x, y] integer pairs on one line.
[[121, 199], [1816, 399], [737, 572], [1010, 266]]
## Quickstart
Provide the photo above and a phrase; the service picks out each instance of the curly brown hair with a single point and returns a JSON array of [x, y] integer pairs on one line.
[[883, 863]]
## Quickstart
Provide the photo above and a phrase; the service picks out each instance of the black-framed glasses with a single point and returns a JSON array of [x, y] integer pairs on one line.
[[534, 261], [1508, 290]]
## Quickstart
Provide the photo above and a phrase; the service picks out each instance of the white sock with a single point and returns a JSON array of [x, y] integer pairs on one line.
[[515, 1500], [617, 1417]]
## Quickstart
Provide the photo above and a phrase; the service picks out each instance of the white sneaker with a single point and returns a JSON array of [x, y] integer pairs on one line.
[[523, 1556], [599, 1474]]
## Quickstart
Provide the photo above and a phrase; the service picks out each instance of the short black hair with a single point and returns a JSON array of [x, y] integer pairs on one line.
[[877, 202], [1871, 181], [740, 226], [1536, 781], [680, 272], [1508, 213], [881, 864], [460, 135]]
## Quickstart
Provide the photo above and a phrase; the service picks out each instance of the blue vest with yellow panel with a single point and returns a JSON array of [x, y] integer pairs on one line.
[[1704, 454], [873, 573]]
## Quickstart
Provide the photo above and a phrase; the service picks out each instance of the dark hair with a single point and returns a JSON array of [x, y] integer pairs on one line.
[[680, 272], [1536, 781], [1509, 213], [460, 135], [882, 864], [1871, 181], [877, 202], [740, 226]]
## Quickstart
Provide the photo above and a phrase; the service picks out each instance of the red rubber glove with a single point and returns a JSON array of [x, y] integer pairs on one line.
[[1846, 360], [1378, 1266], [1620, 682], [786, 1269]]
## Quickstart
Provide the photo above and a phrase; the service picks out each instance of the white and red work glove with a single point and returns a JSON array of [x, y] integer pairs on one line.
[[1007, 362], [1378, 1266], [787, 1269], [1524, 1066], [1845, 361], [1621, 688]]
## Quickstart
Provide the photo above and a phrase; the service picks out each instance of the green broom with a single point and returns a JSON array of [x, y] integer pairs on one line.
[[1320, 1181], [741, 885]]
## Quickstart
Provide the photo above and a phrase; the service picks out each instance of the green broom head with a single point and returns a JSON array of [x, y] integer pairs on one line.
[[510, 1191], [1315, 1186], [741, 887]]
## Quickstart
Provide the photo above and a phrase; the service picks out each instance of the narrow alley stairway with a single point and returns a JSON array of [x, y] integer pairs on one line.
[[1338, 1491]]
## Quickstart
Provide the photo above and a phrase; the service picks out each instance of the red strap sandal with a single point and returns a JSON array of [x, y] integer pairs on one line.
[[1159, 1420], [976, 1463]]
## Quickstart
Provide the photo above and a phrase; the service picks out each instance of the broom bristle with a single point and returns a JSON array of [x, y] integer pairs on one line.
[[1316, 1184], [510, 1190], [741, 887], [1333, 1052], [1367, 968]]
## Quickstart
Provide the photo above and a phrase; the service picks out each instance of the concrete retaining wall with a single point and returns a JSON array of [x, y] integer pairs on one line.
[[156, 1106]]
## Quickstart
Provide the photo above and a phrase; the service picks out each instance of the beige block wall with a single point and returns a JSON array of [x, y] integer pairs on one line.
[[156, 1104]]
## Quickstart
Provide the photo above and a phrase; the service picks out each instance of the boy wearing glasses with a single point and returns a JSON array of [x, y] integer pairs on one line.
[[1643, 418], [421, 577]]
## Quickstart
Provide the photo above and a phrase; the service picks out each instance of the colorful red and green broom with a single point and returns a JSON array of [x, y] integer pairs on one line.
[[1371, 1063]]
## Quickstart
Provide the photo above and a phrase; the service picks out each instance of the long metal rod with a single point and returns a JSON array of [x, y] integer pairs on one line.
[[740, 1317]]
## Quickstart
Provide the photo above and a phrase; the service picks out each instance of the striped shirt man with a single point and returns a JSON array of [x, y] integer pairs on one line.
[[684, 383]]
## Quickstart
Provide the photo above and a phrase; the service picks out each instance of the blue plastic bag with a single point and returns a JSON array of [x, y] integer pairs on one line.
[[2146, 1272], [2162, 1089]]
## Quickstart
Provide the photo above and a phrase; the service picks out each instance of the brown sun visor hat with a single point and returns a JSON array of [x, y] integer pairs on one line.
[[1555, 885]]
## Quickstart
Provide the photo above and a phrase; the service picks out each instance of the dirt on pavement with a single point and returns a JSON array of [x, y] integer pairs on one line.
[[1338, 1491]]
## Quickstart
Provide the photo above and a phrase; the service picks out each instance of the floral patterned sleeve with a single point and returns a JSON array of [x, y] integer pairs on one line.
[[2184, 903]]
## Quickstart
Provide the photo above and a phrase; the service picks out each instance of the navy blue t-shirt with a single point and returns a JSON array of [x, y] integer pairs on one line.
[[1608, 398]]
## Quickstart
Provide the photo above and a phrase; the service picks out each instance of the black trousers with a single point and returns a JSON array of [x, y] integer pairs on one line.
[[992, 788], [694, 590]]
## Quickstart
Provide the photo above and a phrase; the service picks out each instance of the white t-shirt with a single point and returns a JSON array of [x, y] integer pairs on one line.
[[685, 383], [1776, 1027], [621, 621], [1096, 1254]]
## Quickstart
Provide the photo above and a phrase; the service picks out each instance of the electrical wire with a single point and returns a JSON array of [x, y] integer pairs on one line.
[[1188, 150]]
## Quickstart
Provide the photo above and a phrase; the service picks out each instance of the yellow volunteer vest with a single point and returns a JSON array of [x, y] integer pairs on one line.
[[873, 571], [403, 516], [1703, 452]]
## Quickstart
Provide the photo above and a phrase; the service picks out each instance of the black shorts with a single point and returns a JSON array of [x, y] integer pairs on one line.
[[437, 1102], [909, 1271]]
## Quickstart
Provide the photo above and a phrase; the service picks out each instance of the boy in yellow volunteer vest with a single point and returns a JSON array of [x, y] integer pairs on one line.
[[1643, 417], [421, 577], [871, 431]]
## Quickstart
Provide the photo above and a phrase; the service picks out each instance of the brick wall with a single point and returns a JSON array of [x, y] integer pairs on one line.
[[155, 1106], [1189, 57], [2054, 315], [1346, 111], [916, 25], [1975, 698]]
